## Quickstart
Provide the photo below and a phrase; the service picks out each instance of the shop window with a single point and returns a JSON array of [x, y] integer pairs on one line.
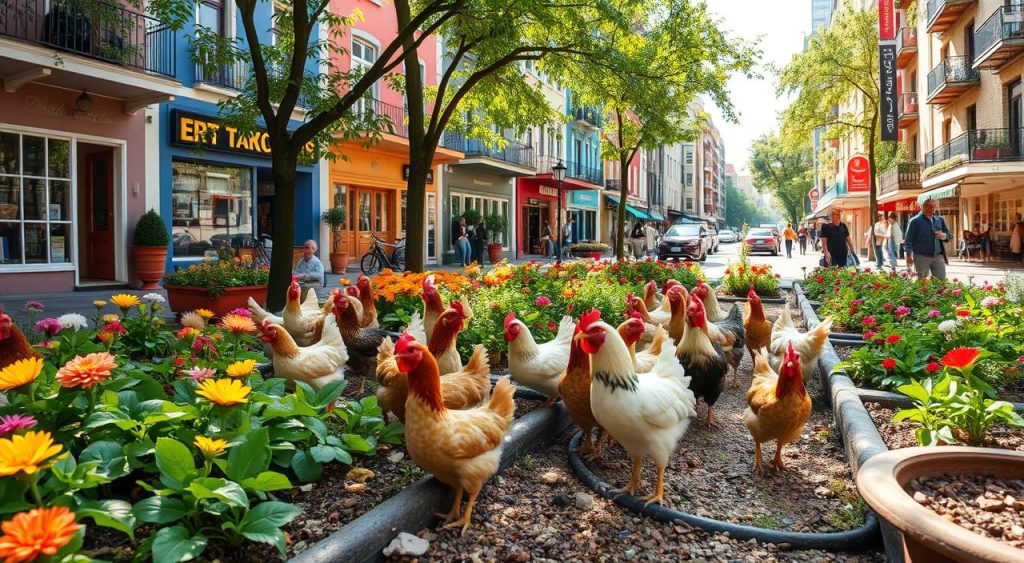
[[35, 200], [212, 206], [485, 205]]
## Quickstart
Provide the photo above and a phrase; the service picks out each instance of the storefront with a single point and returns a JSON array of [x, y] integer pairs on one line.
[[487, 193], [583, 208], [996, 205], [217, 185], [610, 216]]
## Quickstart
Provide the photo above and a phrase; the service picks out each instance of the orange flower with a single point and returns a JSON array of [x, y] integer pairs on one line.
[[960, 357], [237, 324], [86, 371], [40, 531]]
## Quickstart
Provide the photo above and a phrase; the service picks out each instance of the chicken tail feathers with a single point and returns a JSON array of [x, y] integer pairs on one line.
[[478, 362], [502, 402], [785, 320], [332, 336], [565, 330], [416, 328]]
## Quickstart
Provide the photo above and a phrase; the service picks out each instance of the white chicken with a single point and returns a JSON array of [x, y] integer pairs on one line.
[[318, 364], [808, 344], [538, 366], [259, 314], [302, 319], [646, 413]]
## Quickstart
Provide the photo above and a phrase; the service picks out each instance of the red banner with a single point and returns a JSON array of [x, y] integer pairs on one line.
[[858, 175], [813, 196], [886, 20]]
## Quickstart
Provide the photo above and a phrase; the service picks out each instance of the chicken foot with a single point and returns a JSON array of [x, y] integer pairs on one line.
[[659, 492], [758, 465], [466, 517], [778, 457], [601, 437], [710, 420], [634, 478], [551, 400], [456, 511], [735, 383]]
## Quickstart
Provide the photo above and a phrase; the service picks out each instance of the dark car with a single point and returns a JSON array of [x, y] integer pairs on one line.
[[762, 240], [687, 240]]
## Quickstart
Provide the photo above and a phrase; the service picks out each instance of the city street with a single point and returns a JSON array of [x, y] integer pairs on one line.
[[788, 268]]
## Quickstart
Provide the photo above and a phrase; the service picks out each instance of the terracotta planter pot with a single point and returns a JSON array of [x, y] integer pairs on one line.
[[186, 298], [927, 537], [494, 253], [339, 262], [150, 262]]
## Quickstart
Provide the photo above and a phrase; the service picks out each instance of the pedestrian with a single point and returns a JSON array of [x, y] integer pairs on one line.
[[309, 270], [790, 235], [479, 241], [815, 234], [613, 236], [548, 241], [1017, 240], [802, 235], [877, 237], [460, 240], [926, 233], [637, 238], [895, 240], [837, 244], [650, 238], [566, 237], [985, 237]]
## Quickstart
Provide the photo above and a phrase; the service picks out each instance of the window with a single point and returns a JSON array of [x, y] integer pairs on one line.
[[972, 117], [35, 200], [340, 191], [485, 205], [211, 16], [405, 203], [212, 206], [689, 203], [280, 9], [363, 56], [689, 157]]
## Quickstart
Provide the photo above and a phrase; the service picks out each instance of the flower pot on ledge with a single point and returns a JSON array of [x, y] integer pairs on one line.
[[188, 298], [150, 262]]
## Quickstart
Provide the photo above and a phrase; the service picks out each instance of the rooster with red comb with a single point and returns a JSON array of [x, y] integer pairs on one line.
[[537, 366], [779, 406]]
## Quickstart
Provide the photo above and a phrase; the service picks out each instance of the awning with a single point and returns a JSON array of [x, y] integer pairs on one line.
[[950, 190], [632, 210], [657, 216]]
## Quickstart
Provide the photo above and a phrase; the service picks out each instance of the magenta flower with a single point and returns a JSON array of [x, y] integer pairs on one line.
[[888, 306], [11, 423], [956, 292], [48, 326], [115, 326], [869, 335], [990, 301], [203, 343], [542, 301], [199, 373], [857, 302], [902, 311], [33, 306], [934, 313], [241, 312], [869, 322]]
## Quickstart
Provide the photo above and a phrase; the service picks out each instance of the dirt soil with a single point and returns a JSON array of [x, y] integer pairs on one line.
[[983, 504], [901, 434]]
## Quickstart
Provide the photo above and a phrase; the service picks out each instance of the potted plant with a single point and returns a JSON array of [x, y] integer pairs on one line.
[[991, 149], [335, 219], [497, 227], [589, 249], [149, 248], [220, 286]]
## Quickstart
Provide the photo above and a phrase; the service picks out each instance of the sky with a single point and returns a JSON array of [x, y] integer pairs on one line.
[[782, 25]]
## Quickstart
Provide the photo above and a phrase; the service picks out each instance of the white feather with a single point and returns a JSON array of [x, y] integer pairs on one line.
[[538, 366]]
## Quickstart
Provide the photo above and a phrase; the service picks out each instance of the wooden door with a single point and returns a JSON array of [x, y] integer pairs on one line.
[[363, 220], [99, 216], [373, 216]]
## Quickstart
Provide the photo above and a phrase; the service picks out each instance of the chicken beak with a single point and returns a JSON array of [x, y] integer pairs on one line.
[[579, 336]]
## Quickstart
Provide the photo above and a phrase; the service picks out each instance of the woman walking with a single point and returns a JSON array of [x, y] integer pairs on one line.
[[802, 235]]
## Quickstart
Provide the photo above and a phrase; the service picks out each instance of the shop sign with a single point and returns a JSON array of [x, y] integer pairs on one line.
[[858, 175], [546, 190], [194, 130], [405, 174], [886, 20], [813, 196], [887, 101], [907, 206], [533, 201]]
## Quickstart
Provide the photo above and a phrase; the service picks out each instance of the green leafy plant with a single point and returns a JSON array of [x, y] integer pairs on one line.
[[219, 275], [335, 219], [497, 227], [590, 247], [151, 230], [472, 216]]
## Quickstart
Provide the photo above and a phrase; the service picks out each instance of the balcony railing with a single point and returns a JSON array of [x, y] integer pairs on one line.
[[942, 13], [232, 75], [979, 145], [900, 177], [95, 29], [587, 115], [954, 73], [394, 113], [585, 173], [612, 184], [906, 108], [906, 46], [513, 152], [1000, 38]]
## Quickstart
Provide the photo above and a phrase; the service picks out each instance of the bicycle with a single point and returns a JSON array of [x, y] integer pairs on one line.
[[373, 260]]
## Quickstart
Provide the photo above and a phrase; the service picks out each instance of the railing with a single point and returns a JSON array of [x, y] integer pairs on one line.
[[952, 69], [980, 145], [395, 114], [900, 177], [612, 184], [906, 38], [587, 114], [232, 75], [1005, 24], [936, 7], [513, 152], [907, 103], [95, 29], [585, 173]]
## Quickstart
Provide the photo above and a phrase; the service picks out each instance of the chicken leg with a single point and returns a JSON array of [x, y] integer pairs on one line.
[[758, 466], [710, 420], [659, 491], [601, 437], [466, 517], [735, 377], [778, 457], [634, 479], [550, 401], [455, 512]]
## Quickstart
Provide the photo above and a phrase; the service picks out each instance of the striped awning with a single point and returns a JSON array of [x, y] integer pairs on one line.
[[950, 190]]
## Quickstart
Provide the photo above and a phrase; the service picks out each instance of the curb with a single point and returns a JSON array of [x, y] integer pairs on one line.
[[831, 541], [413, 508], [765, 300]]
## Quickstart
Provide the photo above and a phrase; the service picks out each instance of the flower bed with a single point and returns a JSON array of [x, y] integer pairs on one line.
[[743, 276], [216, 276]]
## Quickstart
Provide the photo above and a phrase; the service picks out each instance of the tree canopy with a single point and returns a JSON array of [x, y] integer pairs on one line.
[[785, 170]]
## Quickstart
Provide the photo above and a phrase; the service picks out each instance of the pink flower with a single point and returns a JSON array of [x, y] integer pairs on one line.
[[869, 335], [934, 313], [932, 367], [902, 311], [11, 423], [869, 322], [991, 301], [857, 302], [241, 312], [956, 292], [552, 325], [892, 339], [888, 306], [115, 326], [33, 306], [198, 373], [48, 326], [888, 363], [542, 301]]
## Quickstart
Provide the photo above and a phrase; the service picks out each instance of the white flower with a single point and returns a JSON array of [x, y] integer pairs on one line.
[[154, 297], [72, 320], [947, 326], [193, 320], [990, 301]]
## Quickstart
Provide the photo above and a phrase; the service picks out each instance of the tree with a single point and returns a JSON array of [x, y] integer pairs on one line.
[[743, 209], [785, 170]]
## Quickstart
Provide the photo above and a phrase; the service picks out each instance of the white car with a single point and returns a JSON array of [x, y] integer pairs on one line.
[[728, 235]]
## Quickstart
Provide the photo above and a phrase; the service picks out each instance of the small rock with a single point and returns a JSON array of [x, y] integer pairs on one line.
[[396, 457], [822, 492], [783, 546], [349, 502], [990, 504], [560, 500], [584, 501], [787, 522], [920, 497], [360, 474], [518, 556], [693, 463], [306, 488], [355, 487], [549, 478], [629, 554], [1016, 530], [407, 544], [333, 517]]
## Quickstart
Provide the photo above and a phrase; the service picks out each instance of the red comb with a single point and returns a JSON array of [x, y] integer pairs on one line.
[[589, 318], [457, 305], [751, 294], [264, 325], [363, 279], [508, 319], [295, 279], [428, 282], [351, 290], [403, 343], [791, 355], [636, 315]]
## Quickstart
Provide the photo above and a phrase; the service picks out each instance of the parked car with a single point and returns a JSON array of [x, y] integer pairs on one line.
[[727, 235], [685, 240], [775, 231], [712, 231], [762, 240]]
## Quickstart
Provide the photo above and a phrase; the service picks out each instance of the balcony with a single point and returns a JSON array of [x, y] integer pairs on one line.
[[232, 76], [395, 114], [513, 152], [907, 109], [950, 79], [1001, 38], [942, 14], [978, 145], [900, 177], [612, 184], [906, 46], [584, 173], [587, 115]]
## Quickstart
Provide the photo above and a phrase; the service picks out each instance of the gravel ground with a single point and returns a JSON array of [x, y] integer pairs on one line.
[[983, 504], [901, 434]]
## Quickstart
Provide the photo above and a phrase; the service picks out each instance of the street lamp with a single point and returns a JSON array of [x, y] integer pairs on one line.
[[559, 171]]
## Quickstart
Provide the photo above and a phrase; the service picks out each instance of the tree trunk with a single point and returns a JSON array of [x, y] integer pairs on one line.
[[284, 163], [420, 154], [620, 219]]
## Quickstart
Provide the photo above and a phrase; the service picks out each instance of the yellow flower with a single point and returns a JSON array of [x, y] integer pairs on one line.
[[40, 531], [26, 453], [224, 392], [111, 318], [241, 368], [211, 447], [204, 313], [345, 281], [86, 371], [19, 373], [237, 324], [99, 303], [124, 300]]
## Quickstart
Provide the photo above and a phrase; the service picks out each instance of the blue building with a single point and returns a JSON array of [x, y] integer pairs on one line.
[[583, 162]]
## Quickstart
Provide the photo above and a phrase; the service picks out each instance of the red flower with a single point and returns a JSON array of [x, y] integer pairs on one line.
[[539, 325], [932, 367], [960, 357], [552, 325], [869, 335], [819, 279], [892, 339], [963, 313], [888, 363]]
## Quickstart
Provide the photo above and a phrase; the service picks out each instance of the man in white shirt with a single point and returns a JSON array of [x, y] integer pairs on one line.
[[878, 237], [650, 238], [895, 240]]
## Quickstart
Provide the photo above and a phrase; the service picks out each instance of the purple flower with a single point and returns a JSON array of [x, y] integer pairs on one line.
[[902, 311], [33, 306], [49, 326], [543, 301], [241, 312], [11, 423], [934, 313]]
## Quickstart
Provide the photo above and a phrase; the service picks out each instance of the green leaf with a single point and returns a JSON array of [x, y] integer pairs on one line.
[[267, 481], [305, 467], [175, 544], [915, 391], [907, 414], [174, 460], [213, 487], [250, 457], [263, 523], [109, 513], [101, 419], [356, 443], [160, 510], [113, 463], [322, 454]]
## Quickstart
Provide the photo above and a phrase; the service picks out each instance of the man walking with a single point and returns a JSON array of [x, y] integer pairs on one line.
[[566, 245], [637, 238], [836, 242], [925, 235], [895, 240], [802, 234], [878, 238], [790, 235], [650, 238]]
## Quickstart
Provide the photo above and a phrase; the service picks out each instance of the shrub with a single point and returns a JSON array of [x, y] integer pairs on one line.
[[151, 230], [497, 225]]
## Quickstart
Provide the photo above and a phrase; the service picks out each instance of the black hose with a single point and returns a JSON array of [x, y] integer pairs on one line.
[[831, 541]]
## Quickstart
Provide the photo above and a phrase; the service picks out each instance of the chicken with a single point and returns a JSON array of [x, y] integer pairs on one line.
[[779, 405], [362, 343], [647, 413], [432, 304], [677, 299], [13, 344], [317, 365], [369, 317], [461, 390], [630, 330], [461, 448], [664, 304], [653, 317], [301, 319], [731, 336], [574, 388], [710, 298], [446, 331], [537, 366], [809, 345], [352, 293], [758, 328], [703, 359], [651, 298], [310, 306]]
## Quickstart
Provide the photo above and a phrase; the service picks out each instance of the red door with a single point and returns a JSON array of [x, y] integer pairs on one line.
[[99, 218]]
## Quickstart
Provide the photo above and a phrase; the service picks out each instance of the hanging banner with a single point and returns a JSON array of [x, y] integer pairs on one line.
[[886, 20], [813, 196], [887, 101], [858, 174]]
